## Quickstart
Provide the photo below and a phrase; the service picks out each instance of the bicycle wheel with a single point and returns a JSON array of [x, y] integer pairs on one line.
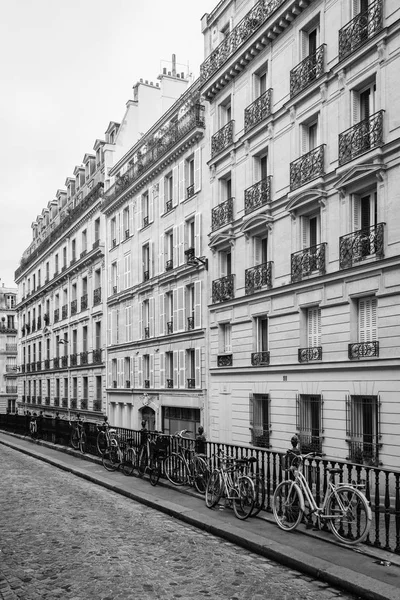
[[259, 489], [243, 502], [214, 489], [352, 516], [82, 442], [286, 505], [201, 474], [75, 439], [110, 458], [101, 442], [129, 462], [142, 462], [175, 469], [155, 471]]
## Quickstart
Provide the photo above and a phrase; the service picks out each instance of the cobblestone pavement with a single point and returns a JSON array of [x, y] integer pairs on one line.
[[66, 538]]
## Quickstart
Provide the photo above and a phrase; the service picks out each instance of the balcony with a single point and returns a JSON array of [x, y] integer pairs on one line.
[[11, 348], [170, 383], [308, 262], [56, 401], [363, 350], [64, 361], [84, 404], [225, 360], [190, 323], [169, 265], [223, 289], [33, 366], [97, 405], [56, 362], [84, 302], [360, 29], [311, 354], [257, 195], [56, 315], [97, 356], [260, 359], [307, 167], [145, 221], [47, 401], [259, 110], [97, 296], [83, 253], [361, 138], [47, 363], [170, 327], [168, 206], [360, 245], [115, 289], [64, 402], [39, 365], [260, 436], [128, 383], [74, 307], [258, 277], [28, 368], [222, 214], [222, 139], [308, 71], [84, 357], [33, 399], [11, 389], [191, 383], [147, 383], [39, 400]]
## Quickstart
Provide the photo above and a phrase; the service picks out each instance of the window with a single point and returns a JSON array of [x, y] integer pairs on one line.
[[364, 102], [259, 419], [126, 224], [169, 251], [75, 387], [170, 201], [127, 372], [225, 263], [178, 418], [313, 327], [260, 250], [262, 334], [146, 319], [225, 111], [114, 372], [73, 250], [363, 429], [367, 322], [169, 312], [146, 370], [309, 133], [309, 422], [310, 39], [191, 368], [64, 257], [84, 241], [190, 176], [145, 209], [97, 230], [84, 338], [146, 261], [97, 335], [365, 215], [169, 369], [55, 268], [113, 231], [226, 338], [114, 278], [226, 187], [47, 271], [85, 388]]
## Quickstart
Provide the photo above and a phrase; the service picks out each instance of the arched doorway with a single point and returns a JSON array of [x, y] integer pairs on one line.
[[147, 414]]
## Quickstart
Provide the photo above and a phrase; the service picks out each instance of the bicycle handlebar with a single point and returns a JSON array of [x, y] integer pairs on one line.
[[181, 433]]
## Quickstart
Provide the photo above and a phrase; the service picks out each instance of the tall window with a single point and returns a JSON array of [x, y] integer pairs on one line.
[[85, 387], [309, 422], [191, 368], [146, 370], [363, 429], [84, 240], [313, 327], [127, 372], [225, 263], [225, 111], [226, 338], [367, 321], [262, 334], [126, 222], [145, 209], [146, 261], [113, 225], [169, 369], [259, 418]]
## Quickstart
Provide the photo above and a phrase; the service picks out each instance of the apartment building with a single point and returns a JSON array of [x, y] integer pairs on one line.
[[302, 101], [61, 300], [157, 270], [8, 350]]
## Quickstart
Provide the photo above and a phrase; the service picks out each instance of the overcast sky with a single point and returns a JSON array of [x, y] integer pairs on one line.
[[68, 67]]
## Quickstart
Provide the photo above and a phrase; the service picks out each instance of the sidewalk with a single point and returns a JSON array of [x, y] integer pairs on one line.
[[364, 571]]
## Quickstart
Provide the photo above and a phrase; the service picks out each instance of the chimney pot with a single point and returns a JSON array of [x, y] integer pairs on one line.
[[169, 72], [164, 71], [141, 80], [182, 75], [146, 81]]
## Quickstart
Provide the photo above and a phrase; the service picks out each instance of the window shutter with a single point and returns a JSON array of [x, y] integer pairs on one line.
[[197, 170], [139, 212], [114, 326], [305, 226], [109, 328], [140, 371], [175, 309], [175, 186], [109, 384], [141, 310], [132, 373], [197, 367], [161, 305], [151, 317], [181, 181], [314, 327], [151, 265], [128, 319], [122, 325], [197, 234], [182, 368], [127, 271], [120, 375], [161, 201], [175, 255], [176, 369], [181, 244], [109, 281], [162, 369], [304, 44], [161, 254], [356, 213], [304, 139], [131, 209], [355, 101], [181, 309], [356, 7], [257, 248], [251, 410], [151, 206], [367, 323], [152, 370], [118, 283], [197, 304]]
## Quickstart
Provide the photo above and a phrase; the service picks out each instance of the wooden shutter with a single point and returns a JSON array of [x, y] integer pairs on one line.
[[197, 170], [139, 212], [367, 323], [355, 107], [161, 200], [151, 317], [180, 297], [161, 305], [131, 225], [128, 320], [109, 384], [356, 213], [161, 261], [257, 249], [181, 244], [181, 169], [140, 371], [182, 368], [109, 328], [162, 369], [314, 327], [175, 252], [151, 359], [127, 271], [175, 186], [176, 369], [151, 206], [197, 234], [151, 264], [141, 310], [197, 304], [197, 367]]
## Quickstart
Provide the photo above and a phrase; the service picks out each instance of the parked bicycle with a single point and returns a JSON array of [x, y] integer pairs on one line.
[[344, 507], [186, 467], [151, 456], [250, 469], [103, 437], [120, 455], [33, 427], [78, 434], [227, 482]]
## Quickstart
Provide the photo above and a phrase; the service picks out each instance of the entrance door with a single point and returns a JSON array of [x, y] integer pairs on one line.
[[147, 414]]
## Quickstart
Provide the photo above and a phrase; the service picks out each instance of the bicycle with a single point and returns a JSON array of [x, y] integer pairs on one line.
[[344, 506], [78, 435], [150, 455], [186, 467], [33, 428], [259, 483], [118, 455], [228, 482], [103, 437]]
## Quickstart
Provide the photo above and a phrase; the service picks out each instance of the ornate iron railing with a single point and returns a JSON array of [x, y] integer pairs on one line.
[[360, 29], [97, 356], [64, 361], [190, 191], [169, 265], [97, 405], [362, 137], [56, 362], [47, 401], [364, 452], [258, 277], [243, 30], [84, 301], [84, 357], [56, 401], [260, 359], [222, 139], [258, 110], [223, 289], [222, 214], [190, 323], [257, 195], [170, 326], [38, 365], [147, 383], [307, 167], [306, 355], [12, 348], [64, 402], [73, 359], [97, 296], [47, 363], [307, 71], [84, 404], [363, 350], [309, 261], [191, 383], [225, 360], [74, 307], [170, 383], [355, 247]]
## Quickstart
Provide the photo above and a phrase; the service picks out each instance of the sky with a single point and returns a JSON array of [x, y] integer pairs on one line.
[[68, 67]]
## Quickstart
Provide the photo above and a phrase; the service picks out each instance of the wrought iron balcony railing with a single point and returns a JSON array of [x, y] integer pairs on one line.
[[190, 323], [56, 315], [11, 389], [147, 383], [360, 29], [74, 307], [361, 138], [56, 401], [97, 405], [73, 359], [56, 362], [146, 333], [259, 110], [257, 195], [33, 399], [170, 383], [97, 356], [260, 437], [260, 359], [146, 275], [169, 265], [258, 277], [223, 289], [84, 357], [222, 139], [73, 403], [39, 400], [84, 302], [310, 261], [126, 234], [191, 383], [39, 365], [84, 404], [33, 366], [363, 350], [224, 360], [39, 323], [11, 348], [170, 326], [310, 443], [97, 296], [47, 363], [190, 191], [64, 361], [222, 214], [243, 30], [64, 402], [364, 452], [145, 221], [307, 167], [359, 245], [306, 72], [47, 400], [313, 353]]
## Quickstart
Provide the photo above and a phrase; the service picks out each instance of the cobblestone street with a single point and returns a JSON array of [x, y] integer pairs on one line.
[[63, 537]]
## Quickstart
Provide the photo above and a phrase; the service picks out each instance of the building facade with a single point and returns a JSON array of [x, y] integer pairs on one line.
[[302, 101], [8, 350]]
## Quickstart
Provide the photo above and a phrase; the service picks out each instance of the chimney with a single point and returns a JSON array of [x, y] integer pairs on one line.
[[164, 70], [173, 65], [182, 75]]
